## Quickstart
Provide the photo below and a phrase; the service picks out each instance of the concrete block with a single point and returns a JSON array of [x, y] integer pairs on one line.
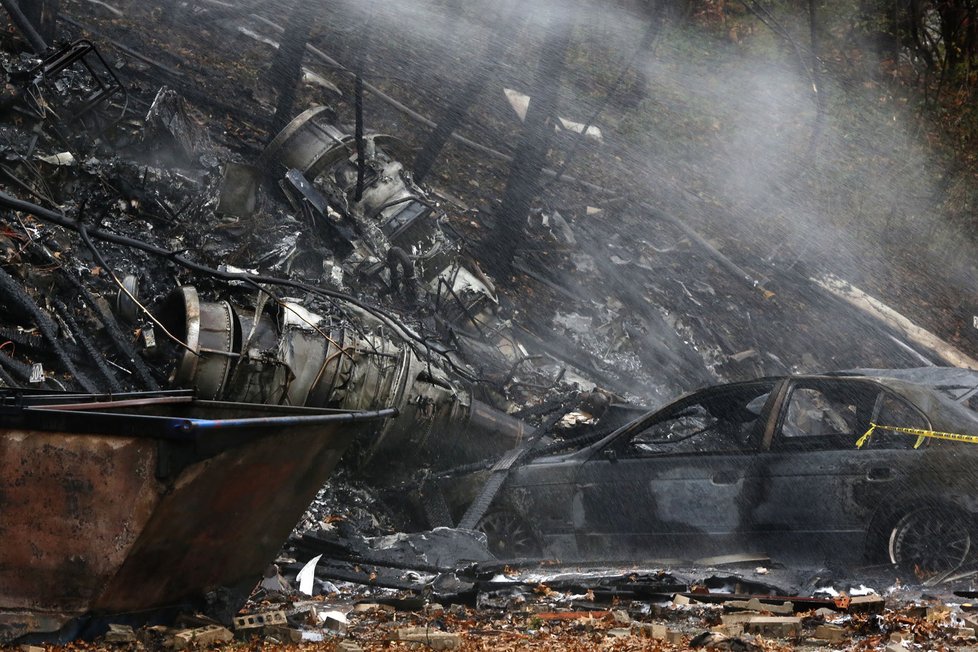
[[348, 646], [732, 630], [962, 632], [435, 639], [334, 621], [900, 637], [782, 609], [737, 618], [255, 621], [971, 622], [31, 648], [283, 634], [774, 626], [119, 634], [208, 635], [831, 633], [371, 606], [621, 617], [867, 604]]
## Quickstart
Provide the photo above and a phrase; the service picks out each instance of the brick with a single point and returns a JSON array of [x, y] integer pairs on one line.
[[436, 639], [831, 633], [208, 635], [255, 621], [776, 626]]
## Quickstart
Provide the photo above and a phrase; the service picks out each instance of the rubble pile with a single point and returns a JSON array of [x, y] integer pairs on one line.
[[532, 615]]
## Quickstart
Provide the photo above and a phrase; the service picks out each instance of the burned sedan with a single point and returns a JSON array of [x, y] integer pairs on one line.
[[871, 465]]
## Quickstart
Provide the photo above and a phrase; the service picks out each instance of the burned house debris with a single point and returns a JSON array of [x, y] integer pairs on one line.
[[202, 313]]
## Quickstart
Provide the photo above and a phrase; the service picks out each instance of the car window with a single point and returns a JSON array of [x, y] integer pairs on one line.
[[894, 411], [826, 415], [719, 421]]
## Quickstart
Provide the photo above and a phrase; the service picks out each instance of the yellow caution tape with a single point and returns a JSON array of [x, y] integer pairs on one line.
[[921, 435]]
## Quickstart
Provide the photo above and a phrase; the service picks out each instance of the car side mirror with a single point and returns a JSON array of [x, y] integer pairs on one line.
[[610, 454]]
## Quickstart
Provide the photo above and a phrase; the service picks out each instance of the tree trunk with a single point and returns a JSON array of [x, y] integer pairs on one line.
[[287, 67], [531, 155], [43, 14], [455, 111]]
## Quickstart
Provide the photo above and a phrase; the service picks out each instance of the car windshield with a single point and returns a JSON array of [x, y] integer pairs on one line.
[[718, 420]]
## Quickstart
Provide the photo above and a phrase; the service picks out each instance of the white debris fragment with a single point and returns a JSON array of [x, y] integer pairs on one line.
[[593, 210], [109, 8], [518, 101], [521, 103], [589, 131], [60, 159], [306, 576], [258, 37], [315, 79]]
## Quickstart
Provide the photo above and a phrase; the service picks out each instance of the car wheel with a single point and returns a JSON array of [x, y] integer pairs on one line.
[[509, 535], [929, 541]]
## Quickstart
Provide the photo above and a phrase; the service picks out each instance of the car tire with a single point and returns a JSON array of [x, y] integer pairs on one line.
[[929, 541], [509, 535]]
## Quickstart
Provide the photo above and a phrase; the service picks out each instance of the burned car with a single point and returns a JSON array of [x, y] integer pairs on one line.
[[866, 465]]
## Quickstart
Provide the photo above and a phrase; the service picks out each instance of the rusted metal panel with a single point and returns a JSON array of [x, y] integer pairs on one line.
[[146, 503], [70, 510], [225, 518]]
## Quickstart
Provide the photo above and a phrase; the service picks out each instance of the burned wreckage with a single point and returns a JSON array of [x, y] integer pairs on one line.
[[108, 480], [190, 342]]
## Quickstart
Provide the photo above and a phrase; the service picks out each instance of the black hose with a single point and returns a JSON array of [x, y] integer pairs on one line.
[[12, 366], [89, 347], [6, 378], [122, 343], [14, 293]]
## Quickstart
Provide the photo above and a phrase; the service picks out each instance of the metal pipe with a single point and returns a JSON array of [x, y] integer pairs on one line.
[[205, 425]]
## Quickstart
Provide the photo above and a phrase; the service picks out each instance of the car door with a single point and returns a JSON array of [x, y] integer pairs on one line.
[[817, 492], [674, 484]]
